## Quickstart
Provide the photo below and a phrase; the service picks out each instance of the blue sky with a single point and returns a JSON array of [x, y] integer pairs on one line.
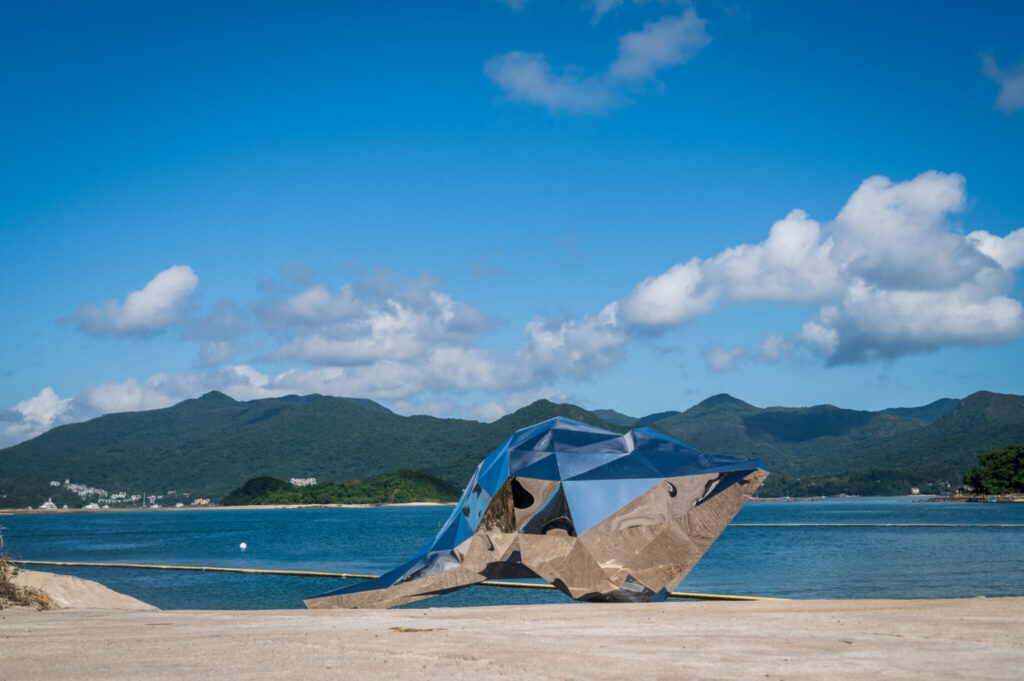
[[457, 208]]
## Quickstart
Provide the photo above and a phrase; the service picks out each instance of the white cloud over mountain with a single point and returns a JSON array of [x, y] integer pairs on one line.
[[159, 304], [891, 275]]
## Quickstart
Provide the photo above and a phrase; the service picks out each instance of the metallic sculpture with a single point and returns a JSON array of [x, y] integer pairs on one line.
[[601, 515]]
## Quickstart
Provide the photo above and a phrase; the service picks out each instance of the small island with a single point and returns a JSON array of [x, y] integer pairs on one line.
[[398, 487]]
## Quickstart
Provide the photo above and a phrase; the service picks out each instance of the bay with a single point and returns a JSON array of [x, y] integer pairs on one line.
[[790, 562]]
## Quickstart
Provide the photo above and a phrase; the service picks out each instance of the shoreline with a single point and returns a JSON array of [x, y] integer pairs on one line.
[[1013, 498], [211, 507], [992, 498]]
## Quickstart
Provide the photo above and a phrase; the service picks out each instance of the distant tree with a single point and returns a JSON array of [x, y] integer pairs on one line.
[[1000, 471]]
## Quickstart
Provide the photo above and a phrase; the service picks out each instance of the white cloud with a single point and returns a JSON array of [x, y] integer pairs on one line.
[[528, 77], [1011, 85], [774, 347], [156, 306], [724, 359], [870, 272], [572, 347], [514, 5], [33, 416], [893, 275], [313, 306], [874, 323], [896, 235], [667, 42], [792, 265], [346, 329], [1008, 250], [822, 339], [671, 298]]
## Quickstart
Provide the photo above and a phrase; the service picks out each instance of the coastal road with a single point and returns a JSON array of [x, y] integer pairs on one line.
[[937, 639]]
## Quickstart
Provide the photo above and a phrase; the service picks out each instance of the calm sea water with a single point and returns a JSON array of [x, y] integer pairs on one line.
[[795, 562]]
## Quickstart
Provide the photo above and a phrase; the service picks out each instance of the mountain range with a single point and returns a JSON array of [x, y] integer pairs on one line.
[[210, 445]]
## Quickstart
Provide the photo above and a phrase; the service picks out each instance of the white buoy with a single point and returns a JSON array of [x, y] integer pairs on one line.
[[243, 546]]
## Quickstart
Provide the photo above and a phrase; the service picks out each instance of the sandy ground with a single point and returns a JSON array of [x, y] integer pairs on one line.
[[948, 639]]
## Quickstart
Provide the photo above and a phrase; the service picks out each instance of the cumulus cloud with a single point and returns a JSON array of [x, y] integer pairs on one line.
[[1011, 84], [892, 273], [670, 298], [896, 235], [775, 347], [313, 306], [875, 323], [528, 77], [575, 347], [1008, 250], [793, 264], [348, 328], [724, 359], [33, 416], [159, 304], [413, 348]]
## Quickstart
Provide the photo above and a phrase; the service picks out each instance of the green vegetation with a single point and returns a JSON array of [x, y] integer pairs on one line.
[[253, 491], [207, 445], [861, 482], [12, 595], [827, 450], [400, 487], [1000, 471]]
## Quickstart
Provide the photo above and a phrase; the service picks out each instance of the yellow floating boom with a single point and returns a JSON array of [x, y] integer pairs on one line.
[[347, 575]]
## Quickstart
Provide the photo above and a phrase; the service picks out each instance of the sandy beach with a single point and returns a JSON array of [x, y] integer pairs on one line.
[[926, 639]]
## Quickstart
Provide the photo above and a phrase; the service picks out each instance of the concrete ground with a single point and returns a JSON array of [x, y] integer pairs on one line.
[[948, 639]]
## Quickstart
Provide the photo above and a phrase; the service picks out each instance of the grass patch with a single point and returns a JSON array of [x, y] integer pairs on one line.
[[13, 595]]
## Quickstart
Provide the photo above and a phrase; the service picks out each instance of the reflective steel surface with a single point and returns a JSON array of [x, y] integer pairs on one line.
[[602, 516]]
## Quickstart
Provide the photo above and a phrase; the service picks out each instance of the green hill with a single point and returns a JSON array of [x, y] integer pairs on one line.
[[209, 445], [858, 451], [929, 413]]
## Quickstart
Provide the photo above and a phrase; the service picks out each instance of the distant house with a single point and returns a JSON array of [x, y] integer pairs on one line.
[[915, 490], [303, 482], [200, 502]]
